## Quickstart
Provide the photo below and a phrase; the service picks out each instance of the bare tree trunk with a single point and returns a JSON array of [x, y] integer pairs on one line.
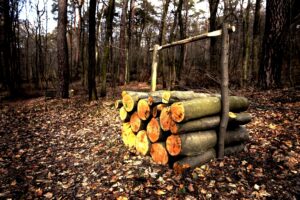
[[256, 41], [182, 36], [172, 70], [213, 8], [246, 49], [62, 50], [107, 44], [273, 43], [162, 40], [129, 34], [123, 49], [92, 59]]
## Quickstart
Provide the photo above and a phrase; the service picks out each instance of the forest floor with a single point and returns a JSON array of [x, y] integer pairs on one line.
[[67, 149]]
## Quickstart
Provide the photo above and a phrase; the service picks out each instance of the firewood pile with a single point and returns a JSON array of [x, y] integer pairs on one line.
[[180, 128]]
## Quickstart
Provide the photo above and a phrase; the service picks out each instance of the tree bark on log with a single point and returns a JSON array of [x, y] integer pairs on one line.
[[118, 104], [200, 107], [142, 143], [143, 109], [159, 153], [136, 123], [198, 142], [128, 136], [190, 162], [234, 149], [207, 123], [239, 118], [165, 119], [156, 110], [124, 115], [130, 101], [193, 161], [154, 131], [155, 97], [124, 92], [191, 143], [175, 96]]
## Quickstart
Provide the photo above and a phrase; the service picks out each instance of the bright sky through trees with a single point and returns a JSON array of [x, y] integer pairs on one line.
[[29, 11]]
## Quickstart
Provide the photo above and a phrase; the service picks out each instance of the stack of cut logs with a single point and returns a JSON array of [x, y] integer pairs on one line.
[[180, 128]]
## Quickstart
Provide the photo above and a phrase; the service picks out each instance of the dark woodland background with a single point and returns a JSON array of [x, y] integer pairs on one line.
[[97, 42]]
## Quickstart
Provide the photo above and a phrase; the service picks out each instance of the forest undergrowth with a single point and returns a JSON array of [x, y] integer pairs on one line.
[[66, 149]]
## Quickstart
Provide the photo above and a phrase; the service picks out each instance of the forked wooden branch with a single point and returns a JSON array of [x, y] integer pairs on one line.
[[195, 38]]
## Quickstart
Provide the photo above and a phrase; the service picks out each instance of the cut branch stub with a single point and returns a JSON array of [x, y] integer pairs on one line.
[[142, 143], [143, 109], [165, 119], [159, 153]]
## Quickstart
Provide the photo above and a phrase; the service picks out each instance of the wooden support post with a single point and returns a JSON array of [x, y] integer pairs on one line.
[[127, 71], [155, 58], [224, 90]]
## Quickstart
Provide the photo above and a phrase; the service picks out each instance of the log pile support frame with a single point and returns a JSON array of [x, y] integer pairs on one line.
[[224, 32]]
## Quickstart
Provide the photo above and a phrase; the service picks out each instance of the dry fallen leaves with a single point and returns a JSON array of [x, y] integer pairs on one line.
[[73, 149]]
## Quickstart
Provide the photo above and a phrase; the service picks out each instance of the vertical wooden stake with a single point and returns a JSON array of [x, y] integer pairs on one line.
[[127, 77], [154, 67], [224, 90]]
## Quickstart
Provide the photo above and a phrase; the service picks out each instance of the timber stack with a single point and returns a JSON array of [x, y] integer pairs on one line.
[[180, 128]]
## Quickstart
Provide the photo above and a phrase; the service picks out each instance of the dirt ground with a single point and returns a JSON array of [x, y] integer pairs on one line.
[[72, 149]]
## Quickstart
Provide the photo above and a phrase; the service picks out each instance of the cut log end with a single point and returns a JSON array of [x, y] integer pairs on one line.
[[142, 143], [128, 102], [177, 112], [173, 127], [159, 153], [143, 109], [124, 116], [166, 96], [173, 145], [128, 136], [118, 104], [180, 168], [153, 130], [135, 122], [191, 162], [165, 119], [150, 100]]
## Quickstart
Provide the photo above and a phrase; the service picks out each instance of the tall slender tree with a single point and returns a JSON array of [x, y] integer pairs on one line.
[[213, 8], [107, 44], [62, 50], [123, 48], [162, 39], [182, 36], [256, 40], [92, 59]]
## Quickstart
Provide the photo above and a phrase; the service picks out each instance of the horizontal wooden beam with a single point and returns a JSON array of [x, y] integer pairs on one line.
[[196, 38]]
